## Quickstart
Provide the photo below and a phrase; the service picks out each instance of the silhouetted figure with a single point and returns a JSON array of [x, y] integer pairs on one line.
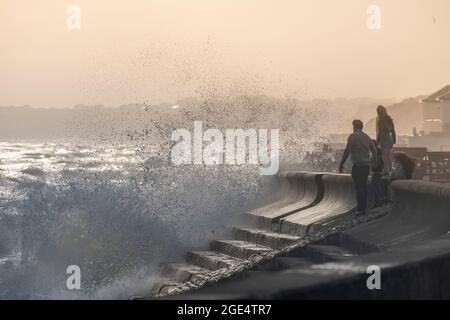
[[360, 147], [377, 174], [404, 167], [386, 136]]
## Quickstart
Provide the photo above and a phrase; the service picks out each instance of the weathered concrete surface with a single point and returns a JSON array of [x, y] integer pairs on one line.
[[211, 260], [296, 191], [270, 239], [281, 191], [269, 260], [418, 271], [238, 248], [421, 211], [304, 191], [410, 244], [338, 199]]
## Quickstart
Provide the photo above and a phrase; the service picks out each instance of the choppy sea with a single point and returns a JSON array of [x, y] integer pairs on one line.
[[109, 210]]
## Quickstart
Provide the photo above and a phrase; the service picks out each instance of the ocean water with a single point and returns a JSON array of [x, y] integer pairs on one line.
[[117, 207], [109, 210]]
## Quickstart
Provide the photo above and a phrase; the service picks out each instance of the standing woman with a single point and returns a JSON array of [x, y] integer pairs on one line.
[[386, 137]]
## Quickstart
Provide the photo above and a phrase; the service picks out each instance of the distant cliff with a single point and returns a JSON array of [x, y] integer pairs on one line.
[[318, 118]]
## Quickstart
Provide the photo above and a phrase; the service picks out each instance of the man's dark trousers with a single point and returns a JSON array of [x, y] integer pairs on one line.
[[360, 174]]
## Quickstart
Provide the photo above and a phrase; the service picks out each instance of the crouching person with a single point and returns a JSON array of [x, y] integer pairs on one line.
[[404, 167]]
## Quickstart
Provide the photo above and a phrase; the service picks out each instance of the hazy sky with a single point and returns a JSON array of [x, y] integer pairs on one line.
[[155, 50]]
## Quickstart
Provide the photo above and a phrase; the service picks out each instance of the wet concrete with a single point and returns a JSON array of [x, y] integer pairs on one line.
[[329, 258], [418, 271]]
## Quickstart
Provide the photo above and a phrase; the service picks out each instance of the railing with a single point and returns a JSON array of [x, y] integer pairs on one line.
[[437, 166], [431, 166]]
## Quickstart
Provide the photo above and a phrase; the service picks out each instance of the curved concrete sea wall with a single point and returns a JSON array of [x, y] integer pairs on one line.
[[409, 240], [281, 191], [421, 211], [338, 199], [305, 191]]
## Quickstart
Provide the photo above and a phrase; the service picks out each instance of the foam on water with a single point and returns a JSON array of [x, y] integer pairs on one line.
[[119, 208], [116, 218]]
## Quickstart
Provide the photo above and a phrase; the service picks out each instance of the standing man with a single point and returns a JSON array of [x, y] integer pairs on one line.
[[360, 147]]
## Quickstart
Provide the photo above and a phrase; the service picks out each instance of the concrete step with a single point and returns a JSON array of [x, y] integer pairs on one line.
[[324, 253], [238, 248], [211, 260], [164, 286], [183, 272], [262, 222], [270, 239]]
